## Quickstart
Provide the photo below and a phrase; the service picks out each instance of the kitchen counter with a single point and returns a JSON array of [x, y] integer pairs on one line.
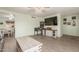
[[28, 44]]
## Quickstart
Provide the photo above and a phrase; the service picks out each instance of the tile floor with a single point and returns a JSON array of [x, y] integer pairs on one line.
[[63, 44]]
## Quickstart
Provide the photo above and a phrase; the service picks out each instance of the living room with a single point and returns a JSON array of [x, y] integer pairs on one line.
[[55, 35]]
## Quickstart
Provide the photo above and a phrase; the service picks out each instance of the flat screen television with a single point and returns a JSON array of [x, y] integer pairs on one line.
[[51, 21]]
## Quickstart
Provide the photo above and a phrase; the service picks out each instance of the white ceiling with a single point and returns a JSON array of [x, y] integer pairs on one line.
[[44, 11]]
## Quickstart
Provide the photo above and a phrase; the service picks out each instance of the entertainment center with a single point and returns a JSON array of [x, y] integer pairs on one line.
[[51, 26], [48, 27]]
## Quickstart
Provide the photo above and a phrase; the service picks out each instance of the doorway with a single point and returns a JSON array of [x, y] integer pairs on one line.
[[7, 27]]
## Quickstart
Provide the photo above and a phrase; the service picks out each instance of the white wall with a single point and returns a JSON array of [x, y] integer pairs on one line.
[[24, 24], [69, 29], [2, 20]]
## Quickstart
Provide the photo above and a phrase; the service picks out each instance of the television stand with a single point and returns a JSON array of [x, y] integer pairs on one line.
[[53, 31], [44, 32]]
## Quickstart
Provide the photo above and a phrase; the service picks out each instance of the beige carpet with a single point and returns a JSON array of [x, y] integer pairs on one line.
[[64, 44]]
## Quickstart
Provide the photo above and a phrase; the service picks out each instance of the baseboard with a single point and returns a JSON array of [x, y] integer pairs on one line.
[[69, 35]]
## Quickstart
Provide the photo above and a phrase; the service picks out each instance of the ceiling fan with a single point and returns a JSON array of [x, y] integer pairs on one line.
[[39, 10]]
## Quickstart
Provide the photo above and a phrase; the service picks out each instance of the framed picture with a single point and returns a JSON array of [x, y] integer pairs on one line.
[[64, 19], [69, 23], [1, 23], [74, 23], [64, 23], [74, 17]]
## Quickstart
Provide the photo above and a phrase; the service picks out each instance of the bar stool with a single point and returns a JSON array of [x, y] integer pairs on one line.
[[37, 30]]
